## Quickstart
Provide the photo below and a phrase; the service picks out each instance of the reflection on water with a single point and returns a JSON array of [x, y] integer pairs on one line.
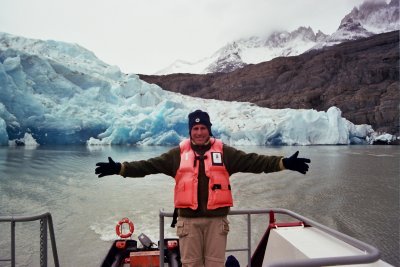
[[354, 189]]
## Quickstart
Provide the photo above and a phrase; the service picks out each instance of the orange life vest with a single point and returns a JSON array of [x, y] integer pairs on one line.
[[186, 179]]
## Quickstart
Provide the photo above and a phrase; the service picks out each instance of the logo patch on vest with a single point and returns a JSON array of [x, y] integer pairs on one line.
[[216, 158]]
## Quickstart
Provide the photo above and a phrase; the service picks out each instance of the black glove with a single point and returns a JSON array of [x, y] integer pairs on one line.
[[108, 168], [296, 164]]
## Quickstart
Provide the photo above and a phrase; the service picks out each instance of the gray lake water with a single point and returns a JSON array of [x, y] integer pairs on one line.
[[353, 189]]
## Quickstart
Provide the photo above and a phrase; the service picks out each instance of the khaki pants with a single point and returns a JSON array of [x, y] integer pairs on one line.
[[202, 241]]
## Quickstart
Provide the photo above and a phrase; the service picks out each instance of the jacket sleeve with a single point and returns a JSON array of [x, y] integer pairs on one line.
[[239, 161], [167, 163]]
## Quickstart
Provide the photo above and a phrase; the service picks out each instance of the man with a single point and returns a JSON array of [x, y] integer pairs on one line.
[[201, 166]]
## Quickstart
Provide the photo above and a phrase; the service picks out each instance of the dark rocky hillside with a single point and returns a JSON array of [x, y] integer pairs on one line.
[[360, 77]]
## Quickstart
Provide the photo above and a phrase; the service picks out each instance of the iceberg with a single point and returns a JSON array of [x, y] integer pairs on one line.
[[55, 93]]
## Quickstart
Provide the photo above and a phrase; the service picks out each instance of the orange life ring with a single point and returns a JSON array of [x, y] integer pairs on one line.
[[118, 228]]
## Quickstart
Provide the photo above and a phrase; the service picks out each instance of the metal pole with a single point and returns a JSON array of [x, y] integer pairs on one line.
[[249, 239], [43, 242], [13, 243], [53, 241], [161, 244]]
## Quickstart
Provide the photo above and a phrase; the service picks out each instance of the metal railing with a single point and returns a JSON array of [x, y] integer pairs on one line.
[[371, 255], [46, 222]]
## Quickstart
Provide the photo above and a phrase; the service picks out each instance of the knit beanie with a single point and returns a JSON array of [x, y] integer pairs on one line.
[[199, 117]]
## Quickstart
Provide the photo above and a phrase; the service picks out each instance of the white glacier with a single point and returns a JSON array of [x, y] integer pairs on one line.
[[58, 93]]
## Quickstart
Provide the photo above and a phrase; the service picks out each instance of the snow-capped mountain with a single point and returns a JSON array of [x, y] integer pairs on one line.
[[250, 51], [372, 17], [258, 49], [376, 16]]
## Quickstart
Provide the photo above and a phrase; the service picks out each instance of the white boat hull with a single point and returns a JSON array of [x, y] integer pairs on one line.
[[298, 243]]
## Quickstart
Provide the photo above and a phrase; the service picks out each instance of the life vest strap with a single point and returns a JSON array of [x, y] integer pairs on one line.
[[199, 158], [174, 218]]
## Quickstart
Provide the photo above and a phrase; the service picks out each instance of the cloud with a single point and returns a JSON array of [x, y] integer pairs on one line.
[[144, 36]]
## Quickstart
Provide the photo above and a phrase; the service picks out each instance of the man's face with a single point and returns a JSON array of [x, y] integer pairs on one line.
[[199, 134]]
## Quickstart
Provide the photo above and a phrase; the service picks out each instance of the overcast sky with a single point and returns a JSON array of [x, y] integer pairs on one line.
[[144, 36]]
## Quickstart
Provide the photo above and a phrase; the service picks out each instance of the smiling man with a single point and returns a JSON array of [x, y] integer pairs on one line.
[[201, 166], [199, 127], [199, 134]]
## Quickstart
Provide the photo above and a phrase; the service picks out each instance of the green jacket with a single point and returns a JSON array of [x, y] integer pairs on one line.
[[234, 160]]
